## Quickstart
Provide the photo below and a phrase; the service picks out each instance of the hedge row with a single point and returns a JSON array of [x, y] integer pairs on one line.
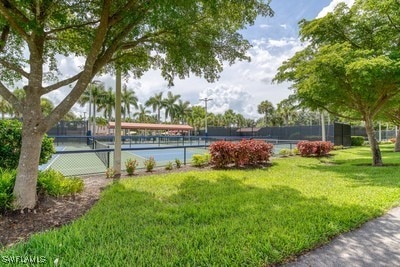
[[243, 153], [314, 148]]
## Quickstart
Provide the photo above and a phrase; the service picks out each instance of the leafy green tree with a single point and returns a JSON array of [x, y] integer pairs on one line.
[[229, 118], [5, 107], [196, 118], [178, 37], [350, 67], [46, 105]]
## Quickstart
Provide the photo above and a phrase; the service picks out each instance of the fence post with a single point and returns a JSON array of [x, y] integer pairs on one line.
[[184, 155], [108, 159]]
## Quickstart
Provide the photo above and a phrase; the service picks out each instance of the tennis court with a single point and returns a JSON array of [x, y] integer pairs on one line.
[[74, 161]]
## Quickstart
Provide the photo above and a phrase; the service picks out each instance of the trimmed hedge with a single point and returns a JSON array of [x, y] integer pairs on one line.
[[243, 153], [357, 140], [314, 148]]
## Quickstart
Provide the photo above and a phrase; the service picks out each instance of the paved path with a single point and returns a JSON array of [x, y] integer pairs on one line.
[[376, 243]]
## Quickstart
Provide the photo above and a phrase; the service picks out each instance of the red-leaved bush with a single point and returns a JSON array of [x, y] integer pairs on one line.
[[314, 148], [245, 152]]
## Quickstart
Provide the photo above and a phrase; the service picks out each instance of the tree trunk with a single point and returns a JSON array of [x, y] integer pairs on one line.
[[376, 152], [26, 182], [397, 144]]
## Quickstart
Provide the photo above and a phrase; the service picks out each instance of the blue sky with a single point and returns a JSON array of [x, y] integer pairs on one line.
[[245, 84]]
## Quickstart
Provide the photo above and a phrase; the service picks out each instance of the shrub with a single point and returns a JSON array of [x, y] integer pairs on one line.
[[357, 140], [110, 173], [245, 152], [50, 182], [7, 181], [178, 163], [169, 166], [150, 163], [131, 165], [10, 145], [284, 152], [314, 148], [54, 183], [222, 153], [201, 160]]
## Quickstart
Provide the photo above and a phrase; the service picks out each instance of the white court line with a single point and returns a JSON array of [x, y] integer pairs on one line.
[[51, 163]]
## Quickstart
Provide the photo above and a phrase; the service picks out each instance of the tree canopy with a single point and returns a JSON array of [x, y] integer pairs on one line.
[[179, 37], [351, 65]]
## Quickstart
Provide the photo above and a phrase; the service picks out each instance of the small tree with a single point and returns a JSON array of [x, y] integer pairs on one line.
[[350, 67]]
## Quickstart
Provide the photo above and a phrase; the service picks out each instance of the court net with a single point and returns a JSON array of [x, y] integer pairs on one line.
[[104, 156]]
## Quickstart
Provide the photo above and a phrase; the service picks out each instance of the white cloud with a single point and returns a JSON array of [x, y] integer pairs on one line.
[[264, 26], [283, 26], [332, 6]]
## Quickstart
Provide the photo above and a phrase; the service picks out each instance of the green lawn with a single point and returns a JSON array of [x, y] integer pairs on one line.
[[225, 218]]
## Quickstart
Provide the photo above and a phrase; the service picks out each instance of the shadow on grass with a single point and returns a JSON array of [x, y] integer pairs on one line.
[[221, 223], [358, 168]]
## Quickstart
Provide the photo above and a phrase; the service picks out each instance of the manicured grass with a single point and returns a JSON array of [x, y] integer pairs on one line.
[[225, 218]]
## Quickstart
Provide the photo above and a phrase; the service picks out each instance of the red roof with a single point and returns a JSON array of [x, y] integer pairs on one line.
[[151, 126]]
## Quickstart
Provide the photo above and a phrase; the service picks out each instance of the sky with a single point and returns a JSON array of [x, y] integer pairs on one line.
[[244, 85]]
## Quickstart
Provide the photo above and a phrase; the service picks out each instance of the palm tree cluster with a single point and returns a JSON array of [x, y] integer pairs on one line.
[[175, 110], [287, 112]]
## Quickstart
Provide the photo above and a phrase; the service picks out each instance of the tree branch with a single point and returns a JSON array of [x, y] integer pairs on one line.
[[14, 67], [62, 83], [5, 8], [71, 27], [10, 98], [4, 36]]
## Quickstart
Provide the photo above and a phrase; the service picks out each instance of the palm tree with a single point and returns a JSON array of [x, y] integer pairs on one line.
[[287, 111], [143, 114], [182, 111], [92, 95], [267, 109], [196, 117], [128, 99], [156, 102], [170, 105], [107, 103]]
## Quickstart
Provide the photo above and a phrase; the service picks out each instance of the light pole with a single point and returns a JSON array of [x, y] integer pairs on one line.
[[206, 99]]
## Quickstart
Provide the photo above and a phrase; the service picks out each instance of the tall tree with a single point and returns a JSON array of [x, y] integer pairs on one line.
[[107, 103], [267, 109], [128, 98], [157, 103], [170, 105], [350, 67], [182, 111], [92, 95], [179, 37], [143, 114]]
